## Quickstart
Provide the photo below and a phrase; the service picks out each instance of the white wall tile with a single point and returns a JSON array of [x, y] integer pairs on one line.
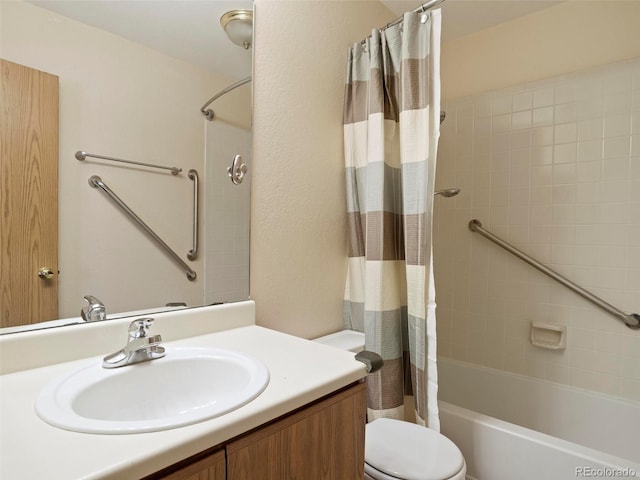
[[542, 136], [566, 92], [566, 133], [567, 112], [542, 117], [635, 123], [542, 155], [521, 139], [617, 125], [543, 97], [590, 151], [562, 194], [591, 107], [540, 215], [613, 213], [616, 103], [589, 171], [590, 129], [501, 104], [563, 234], [615, 169], [522, 101], [588, 192], [500, 142], [619, 80], [554, 168], [616, 192], [565, 153], [635, 100], [521, 120], [617, 147], [501, 123], [630, 389], [588, 214], [635, 146], [564, 172], [482, 108], [542, 175]]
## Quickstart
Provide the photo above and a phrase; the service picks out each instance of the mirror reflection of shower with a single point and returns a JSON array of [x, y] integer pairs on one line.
[[237, 170], [238, 25]]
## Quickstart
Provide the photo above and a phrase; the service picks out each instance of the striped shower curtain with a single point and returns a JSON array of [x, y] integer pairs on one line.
[[391, 130]]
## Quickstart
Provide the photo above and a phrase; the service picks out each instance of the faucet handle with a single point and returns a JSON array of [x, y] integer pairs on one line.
[[140, 328], [94, 310]]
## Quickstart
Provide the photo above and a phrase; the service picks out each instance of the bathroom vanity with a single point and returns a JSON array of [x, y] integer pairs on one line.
[[307, 423], [322, 440]]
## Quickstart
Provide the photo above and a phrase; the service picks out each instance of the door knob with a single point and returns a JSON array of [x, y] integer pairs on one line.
[[45, 273]]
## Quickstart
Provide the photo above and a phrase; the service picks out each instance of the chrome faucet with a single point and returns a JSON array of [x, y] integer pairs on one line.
[[94, 311], [140, 346]]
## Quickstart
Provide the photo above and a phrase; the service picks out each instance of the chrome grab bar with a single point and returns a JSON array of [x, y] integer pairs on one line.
[[631, 320], [80, 156], [193, 253], [96, 182]]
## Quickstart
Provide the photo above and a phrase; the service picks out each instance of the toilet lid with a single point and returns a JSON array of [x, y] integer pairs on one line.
[[410, 452]]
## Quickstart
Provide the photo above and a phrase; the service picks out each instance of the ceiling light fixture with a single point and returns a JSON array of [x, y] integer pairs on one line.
[[238, 25]]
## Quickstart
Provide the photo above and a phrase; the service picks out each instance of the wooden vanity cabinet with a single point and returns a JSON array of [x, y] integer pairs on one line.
[[323, 440], [211, 467]]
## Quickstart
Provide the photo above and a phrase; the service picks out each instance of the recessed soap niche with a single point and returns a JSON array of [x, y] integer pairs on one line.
[[550, 336]]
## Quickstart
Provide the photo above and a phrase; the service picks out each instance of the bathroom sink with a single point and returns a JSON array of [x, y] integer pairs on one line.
[[187, 386]]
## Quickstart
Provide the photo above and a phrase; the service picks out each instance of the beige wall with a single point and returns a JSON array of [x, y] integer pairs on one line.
[[561, 39], [298, 228], [121, 99]]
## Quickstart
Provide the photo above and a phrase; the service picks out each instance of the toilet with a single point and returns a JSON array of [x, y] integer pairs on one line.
[[398, 450]]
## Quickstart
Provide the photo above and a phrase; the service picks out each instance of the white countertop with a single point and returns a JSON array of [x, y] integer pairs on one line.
[[300, 372]]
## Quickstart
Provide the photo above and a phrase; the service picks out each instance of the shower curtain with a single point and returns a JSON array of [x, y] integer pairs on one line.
[[391, 130]]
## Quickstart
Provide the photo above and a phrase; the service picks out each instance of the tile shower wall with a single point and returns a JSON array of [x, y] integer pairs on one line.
[[227, 214], [553, 167]]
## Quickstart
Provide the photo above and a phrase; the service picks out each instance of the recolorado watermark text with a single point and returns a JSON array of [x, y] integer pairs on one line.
[[605, 472]]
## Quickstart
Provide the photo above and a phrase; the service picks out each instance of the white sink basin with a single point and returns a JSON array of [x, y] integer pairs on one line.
[[187, 386]]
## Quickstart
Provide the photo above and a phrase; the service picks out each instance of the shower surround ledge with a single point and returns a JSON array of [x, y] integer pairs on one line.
[[300, 372]]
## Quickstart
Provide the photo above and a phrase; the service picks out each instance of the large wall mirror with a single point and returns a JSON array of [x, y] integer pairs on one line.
[[132, 77]]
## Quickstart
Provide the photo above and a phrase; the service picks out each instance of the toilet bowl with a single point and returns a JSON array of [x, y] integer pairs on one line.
[[402, 450], [398, 450]]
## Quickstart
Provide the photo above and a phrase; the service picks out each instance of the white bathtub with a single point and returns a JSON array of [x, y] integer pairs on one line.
[[512, 427]]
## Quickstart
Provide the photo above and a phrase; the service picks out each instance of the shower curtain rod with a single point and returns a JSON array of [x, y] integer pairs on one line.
[[207, 112], [422, 8]]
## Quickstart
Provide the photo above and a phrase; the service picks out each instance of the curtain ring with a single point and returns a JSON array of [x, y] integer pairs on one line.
[[424, 15]]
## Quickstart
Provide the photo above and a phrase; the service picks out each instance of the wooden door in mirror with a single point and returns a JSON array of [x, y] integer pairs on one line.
[[28, 195]]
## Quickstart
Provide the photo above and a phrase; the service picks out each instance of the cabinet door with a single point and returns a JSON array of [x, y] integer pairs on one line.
[[212, 467], [322, 441]]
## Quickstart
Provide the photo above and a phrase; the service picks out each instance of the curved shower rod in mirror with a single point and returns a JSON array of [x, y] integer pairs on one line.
[[207, 112]]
